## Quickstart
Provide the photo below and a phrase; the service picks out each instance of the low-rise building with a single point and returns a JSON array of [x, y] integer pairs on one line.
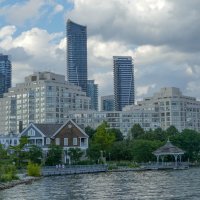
[[10, 139], [67, 135], [165, 108]]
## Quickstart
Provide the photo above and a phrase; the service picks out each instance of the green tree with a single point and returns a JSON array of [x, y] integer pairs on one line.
[[121, 150], [136, 131], [157, 134], [101, 141], [20, 153], [35, 154], [188, 140], [54, 155], [75, 154], [172, 130], [142, 150], [90, 131], [118, 134]]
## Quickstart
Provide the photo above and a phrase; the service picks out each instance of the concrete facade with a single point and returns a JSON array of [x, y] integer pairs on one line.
[[44, 97]]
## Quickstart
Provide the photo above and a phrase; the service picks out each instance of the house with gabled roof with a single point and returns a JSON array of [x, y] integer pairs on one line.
[[67, 135]]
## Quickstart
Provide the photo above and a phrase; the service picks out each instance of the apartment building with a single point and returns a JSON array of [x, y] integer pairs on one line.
[[44, 97]]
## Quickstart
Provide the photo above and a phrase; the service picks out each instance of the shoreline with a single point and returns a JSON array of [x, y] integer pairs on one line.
[[13, 183]]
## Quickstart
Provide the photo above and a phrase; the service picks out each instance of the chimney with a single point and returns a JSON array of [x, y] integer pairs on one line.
[[20, 126]]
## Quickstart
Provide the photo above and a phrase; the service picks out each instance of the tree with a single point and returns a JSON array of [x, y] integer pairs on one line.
[[188, 140], [35, 154], [121, 150], [118, 134], [54, 155], [19, 152], [75, 154], [136, 131], [172, 130], [142, 150], [89, 131], [102, 141]]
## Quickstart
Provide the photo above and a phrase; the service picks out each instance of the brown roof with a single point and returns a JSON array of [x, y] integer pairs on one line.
[[168, 149], [48, 129]]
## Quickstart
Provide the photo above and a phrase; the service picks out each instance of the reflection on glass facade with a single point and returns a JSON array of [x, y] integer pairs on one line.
[[77, 54], [5, 74], [92, 92], [123, 81], [107, 103]]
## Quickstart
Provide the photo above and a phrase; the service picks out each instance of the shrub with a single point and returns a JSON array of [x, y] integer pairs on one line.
[[8, 173], [33, 169]]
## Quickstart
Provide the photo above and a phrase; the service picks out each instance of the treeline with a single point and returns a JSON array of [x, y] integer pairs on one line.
[[139, 144]]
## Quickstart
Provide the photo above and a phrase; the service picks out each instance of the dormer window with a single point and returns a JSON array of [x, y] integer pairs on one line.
[[31, 132]]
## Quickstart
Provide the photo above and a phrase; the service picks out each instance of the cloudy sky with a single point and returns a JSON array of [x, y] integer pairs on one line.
[[162, 36]]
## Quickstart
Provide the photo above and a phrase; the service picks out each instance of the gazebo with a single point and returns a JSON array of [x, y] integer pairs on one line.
[[169, 149]]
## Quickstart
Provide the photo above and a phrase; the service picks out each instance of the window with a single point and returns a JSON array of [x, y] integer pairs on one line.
[[31, 132], [57, 141], [48, 141], [65, 141], [74, 141]]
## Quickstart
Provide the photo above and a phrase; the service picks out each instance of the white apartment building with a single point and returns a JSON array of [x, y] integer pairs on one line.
[[44, 97], [165, 108]]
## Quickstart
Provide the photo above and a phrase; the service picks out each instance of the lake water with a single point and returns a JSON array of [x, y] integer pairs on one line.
[[183, 184]]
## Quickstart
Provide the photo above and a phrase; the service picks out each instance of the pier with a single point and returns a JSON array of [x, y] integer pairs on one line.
[[72, 169]]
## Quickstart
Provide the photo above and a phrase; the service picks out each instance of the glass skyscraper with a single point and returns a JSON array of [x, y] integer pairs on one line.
[[107, 103], [123, 81], [92, 92], [77, 54], [5, 74]]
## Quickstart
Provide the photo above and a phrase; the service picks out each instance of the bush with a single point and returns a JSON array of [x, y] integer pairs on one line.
[[8, 173], [33, 169], [86, 162]]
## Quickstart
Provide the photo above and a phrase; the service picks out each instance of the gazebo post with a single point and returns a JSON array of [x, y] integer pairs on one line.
[[162, 157], [157, 156], [175, 156]]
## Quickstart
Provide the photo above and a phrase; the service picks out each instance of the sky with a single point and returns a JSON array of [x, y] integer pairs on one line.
[[162, 36]]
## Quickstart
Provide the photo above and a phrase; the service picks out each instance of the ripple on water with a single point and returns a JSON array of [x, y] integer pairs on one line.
[[162, 185]]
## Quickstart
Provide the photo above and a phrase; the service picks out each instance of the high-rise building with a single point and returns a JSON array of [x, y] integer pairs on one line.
[[107, 103], [92, 92], [5, 74], [44, 97], [123, 81], [77, 54]]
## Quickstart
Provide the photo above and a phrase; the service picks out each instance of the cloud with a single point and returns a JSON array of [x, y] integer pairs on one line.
[[58, 8], [33, 50], [19, 13], [145, 22], [162, 36]]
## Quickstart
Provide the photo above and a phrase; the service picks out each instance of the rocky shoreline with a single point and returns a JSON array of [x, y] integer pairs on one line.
[[25, 180]]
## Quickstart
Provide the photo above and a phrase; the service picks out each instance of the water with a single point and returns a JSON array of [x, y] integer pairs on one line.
[[183, 184]]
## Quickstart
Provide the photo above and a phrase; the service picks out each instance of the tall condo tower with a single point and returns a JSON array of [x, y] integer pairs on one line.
[[123, 81], [77, 54], [5, 74]]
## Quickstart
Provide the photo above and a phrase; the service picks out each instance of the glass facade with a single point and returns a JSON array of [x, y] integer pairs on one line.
[[77, 54], [92, 92], [107, 103], [5, 74], [123, 82]]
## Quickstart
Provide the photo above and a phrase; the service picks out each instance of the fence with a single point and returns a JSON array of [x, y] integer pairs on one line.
[[72, 169]]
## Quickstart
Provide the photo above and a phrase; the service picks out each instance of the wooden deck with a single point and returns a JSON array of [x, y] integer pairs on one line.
[[165, 165], [73, 169]]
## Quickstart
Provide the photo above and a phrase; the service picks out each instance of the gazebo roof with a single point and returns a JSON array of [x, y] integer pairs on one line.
[[168, 149]]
